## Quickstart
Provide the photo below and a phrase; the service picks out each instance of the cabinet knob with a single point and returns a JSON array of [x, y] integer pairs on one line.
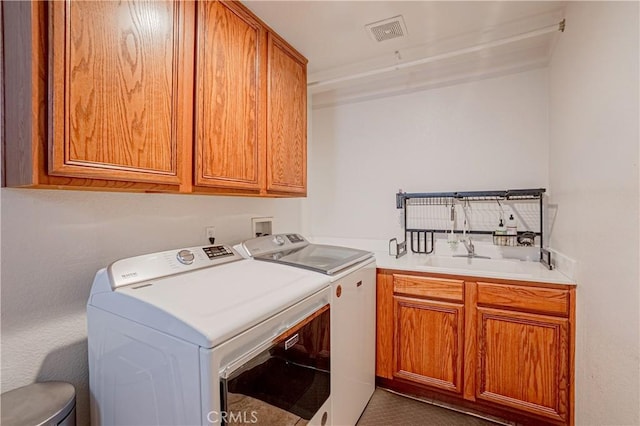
[[339, 291], [359, 283]]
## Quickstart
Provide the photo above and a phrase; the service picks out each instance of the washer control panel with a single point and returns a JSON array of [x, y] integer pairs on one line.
[[152, 266], [215, 252], [295, 238]]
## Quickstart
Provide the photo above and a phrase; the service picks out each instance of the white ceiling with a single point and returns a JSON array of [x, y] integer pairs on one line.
[[332, 35]]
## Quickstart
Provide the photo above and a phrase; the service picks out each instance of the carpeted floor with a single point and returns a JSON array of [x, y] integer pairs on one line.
[[387, 409]]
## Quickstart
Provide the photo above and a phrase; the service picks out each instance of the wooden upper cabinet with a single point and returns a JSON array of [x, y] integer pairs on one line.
[[286, 119], [117, 80], [148, 95], [229, 105]]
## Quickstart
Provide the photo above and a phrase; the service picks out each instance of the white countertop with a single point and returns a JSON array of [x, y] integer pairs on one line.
[[444, 263], [490, 268]]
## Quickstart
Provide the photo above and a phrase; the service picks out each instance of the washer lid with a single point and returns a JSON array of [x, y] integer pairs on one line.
[[295, 250], [210, 305], [318, 257]]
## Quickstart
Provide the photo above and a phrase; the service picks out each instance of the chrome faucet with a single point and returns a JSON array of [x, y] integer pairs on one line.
[[471, 249]]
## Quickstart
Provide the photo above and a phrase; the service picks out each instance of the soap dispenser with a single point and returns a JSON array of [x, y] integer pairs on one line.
[[500, 231], [512, 226]]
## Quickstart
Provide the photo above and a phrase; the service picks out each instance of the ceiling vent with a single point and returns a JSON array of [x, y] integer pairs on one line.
[[387, 28]]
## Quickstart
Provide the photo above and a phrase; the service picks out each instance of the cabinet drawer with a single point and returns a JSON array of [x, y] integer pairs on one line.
[[536, 299], [438, 288]]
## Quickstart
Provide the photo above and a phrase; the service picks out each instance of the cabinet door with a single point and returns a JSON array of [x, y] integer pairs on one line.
[[118, 74], [229, 129], [428, 341], [523, 362], [286, 119], [384, 325]]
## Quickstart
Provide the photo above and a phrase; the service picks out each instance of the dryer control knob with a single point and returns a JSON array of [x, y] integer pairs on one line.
[[185, 257], [278, 240]]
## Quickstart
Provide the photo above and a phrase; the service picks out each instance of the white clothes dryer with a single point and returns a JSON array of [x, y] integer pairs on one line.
[[200, 336]]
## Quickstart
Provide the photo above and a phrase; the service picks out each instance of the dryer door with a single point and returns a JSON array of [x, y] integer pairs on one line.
[[285, 381]]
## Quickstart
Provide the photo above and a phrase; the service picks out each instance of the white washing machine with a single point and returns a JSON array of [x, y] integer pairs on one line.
[[200, 336], [353, 313]]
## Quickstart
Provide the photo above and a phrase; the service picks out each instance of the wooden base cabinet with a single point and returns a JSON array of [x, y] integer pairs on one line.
[[499, 347], [428, 342], [160, 96], [428, 331], [523, 362]]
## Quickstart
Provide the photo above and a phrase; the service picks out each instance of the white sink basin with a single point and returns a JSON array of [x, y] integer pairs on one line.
[[476, 264]]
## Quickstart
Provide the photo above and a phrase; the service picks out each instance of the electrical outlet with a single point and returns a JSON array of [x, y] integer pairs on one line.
[[210, 232]]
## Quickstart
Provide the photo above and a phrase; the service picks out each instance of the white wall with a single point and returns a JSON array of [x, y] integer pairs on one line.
[[53, 242], [483, 135], [593, 168]]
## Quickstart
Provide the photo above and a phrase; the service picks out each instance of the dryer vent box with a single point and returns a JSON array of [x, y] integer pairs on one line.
[[261, 226]]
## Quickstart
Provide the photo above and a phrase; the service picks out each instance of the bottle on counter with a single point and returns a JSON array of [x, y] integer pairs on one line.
[[512, 226], [500, 233]]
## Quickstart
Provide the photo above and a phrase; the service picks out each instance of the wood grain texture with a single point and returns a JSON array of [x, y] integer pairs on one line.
[[530, 299], [230, 97], [572, 356], [533, 284], [115, 73], [470, 347], [184, 98], [435, 288], [82, 32], [428, 342], [286, 118], [384, 325], [29, 72], [20, 78], [523, 362], [518, 360]]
